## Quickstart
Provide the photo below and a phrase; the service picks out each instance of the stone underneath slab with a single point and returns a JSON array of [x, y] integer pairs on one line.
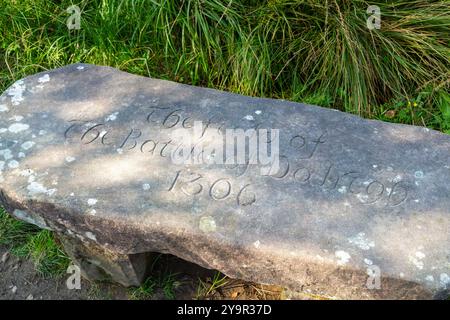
[[357, 209]]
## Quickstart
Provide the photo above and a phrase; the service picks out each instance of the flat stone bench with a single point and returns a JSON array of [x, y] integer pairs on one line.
[[352, 208]]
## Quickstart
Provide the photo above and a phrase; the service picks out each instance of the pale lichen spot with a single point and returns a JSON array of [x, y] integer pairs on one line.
[[207, 224], [397, 179], [45, 78], [362, 197], [112, 116], [35, 188], [18, 127], [258, 112], [16, 92], [361, 241], [418, 174], [119, 151], [249, 117], [13, 164], [343, 257], [342, 189], [429, 278], [368, 262], [416, 259], [92, 201], [70, 159], [145, 187], [27, 145], [16, 118], [80, 68], [6, 153], [420, 255], [256, 244], [91, 236]]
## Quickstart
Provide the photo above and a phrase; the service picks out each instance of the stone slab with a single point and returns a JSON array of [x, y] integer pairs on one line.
[[85, 151]]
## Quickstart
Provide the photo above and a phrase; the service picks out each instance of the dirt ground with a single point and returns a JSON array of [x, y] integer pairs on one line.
[[20, 281]]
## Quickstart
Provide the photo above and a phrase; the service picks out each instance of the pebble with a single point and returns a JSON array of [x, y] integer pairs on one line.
[[30, 297], [5, 257], [14, 290]]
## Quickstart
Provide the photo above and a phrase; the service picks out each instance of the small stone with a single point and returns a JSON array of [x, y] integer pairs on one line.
[[30, 297], [5, 257]]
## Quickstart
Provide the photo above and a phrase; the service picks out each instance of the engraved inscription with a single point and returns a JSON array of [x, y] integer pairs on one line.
[[323, 174]]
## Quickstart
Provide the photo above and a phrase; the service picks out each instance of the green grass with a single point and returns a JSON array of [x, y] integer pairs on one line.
[[315, 51], [205, 288], [167, 282], [28, 241], [161, 279]]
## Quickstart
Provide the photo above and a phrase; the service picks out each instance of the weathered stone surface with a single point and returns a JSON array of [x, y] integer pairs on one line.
[[85, 151], [100, 264]]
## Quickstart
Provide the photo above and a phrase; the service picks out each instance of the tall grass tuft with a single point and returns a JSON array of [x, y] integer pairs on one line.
[[316, 51], [40, 246]]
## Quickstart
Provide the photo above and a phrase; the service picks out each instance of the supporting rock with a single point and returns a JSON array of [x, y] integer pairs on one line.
[[100, 264]]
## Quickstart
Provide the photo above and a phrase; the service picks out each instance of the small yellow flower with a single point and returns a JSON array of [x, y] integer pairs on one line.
[[415, 104], [409, 103]]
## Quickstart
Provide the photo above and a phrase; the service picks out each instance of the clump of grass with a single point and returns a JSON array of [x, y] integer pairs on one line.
[[311, 51], [328, 46], [13, 232], [206, 288], [145, 291], [167, 282], [29, 242], [161, 279]]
